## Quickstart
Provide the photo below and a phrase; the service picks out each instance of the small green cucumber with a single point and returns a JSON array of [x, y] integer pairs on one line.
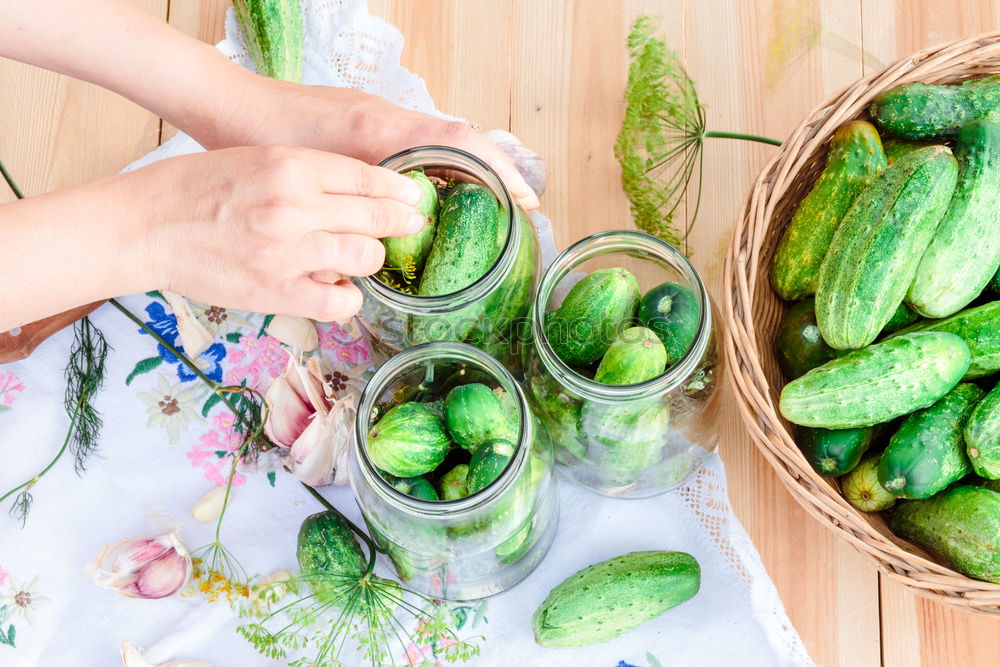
[[474, 415], [593, 313], [465, 243], [799, 346], [416, 487], [979, 327], [454, 483], [876, 249], [854, 159], [982, 436], [636, 355], [633, 438], [965, 251], [878, 383], [610, 598], [410, 252], [272, 32], [834, 452], [672, 311], [329, 555], [961, 525], [514, 548], [896, 148], [408, 441], [862, 490], [488, 462], [924, 111], [927, 453]]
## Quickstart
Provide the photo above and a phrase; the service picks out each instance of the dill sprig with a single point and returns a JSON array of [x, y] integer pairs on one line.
[[85, 376], [659, 147]]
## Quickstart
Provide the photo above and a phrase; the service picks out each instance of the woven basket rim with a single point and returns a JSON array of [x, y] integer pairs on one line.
[[899, 560]]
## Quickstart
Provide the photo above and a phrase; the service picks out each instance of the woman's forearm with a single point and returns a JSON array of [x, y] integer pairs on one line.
[[72, 247]]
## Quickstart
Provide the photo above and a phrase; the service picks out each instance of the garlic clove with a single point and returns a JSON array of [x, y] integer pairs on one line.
[[289, 407], [313, 453], [195, 338], [148, 568], [209, 508], [529, 163], [296, 332]]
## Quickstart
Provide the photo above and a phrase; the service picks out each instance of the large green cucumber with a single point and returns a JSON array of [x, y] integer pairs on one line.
[[633, 438], [896, 148], [834, 452], [875, 251], [474, 415], [272, 31], [635, 356], [672, 311], [862, 489], [854, 159], [593, 313], [979, 327], [409, 440], [465, 243], [329, 556], [488, 463], [961, 525], [799, 345], [877, 383], [415, 487], [608, 599], [410, 252], [982, 436], [965, 252], [927, 453], [923, 111]]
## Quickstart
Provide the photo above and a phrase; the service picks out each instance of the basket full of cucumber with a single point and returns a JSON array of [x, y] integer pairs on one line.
[[867, 334]]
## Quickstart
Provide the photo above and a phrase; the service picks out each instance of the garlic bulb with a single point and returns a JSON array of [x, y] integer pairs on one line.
[[529, 163], [296, 332], [144, 567]]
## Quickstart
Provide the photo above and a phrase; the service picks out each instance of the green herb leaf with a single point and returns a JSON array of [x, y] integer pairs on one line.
[[144, 366]]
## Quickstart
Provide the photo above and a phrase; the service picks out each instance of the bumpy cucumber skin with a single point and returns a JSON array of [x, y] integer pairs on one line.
[[593, 313], [896, 148], [862, 490], [636, 355], [610, 598], [982, 436], [924, 111], [401, 251], [979, 327], [488, 462], [799, 345], [272, 31], [416, 487], [474, 415], [965, 252], [834, 452], [854, 159], [671, 310], [408, 441], [465, 243], [875, 251], [329, 555], [927, 453], [961, 525], [877, 383]]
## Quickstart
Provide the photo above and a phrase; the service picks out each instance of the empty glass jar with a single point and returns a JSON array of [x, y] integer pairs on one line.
[[474, 546], [626, 440], [487, 314]]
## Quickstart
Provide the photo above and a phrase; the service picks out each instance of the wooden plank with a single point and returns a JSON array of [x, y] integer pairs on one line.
[[56, 131], [917, 631]]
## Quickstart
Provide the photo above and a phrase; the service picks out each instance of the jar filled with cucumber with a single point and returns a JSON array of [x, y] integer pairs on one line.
[[467, 276], [622, 366], [452, 472], [891, 345]]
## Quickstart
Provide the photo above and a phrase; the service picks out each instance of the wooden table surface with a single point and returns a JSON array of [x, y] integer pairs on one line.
[[553, 72]]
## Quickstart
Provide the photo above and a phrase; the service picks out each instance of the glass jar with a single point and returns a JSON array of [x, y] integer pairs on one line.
[[474, 546], [490, 313], [633, 440]]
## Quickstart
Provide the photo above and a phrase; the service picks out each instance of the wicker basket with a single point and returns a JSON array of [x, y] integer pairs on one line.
[[753, 313]]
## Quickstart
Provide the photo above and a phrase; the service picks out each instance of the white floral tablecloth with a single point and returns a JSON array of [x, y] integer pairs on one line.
[[166, 442]]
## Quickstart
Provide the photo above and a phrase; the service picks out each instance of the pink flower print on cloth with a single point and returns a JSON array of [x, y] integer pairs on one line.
[[344, 343], [257, 360], [215, 448], [10, 387]]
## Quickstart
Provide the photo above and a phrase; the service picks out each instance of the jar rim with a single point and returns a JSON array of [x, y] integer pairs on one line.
[[497, 273], [440, 351], [604, 243]]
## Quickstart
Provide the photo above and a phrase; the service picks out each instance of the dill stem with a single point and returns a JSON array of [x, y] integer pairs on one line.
[[740, 135], [62, 450], [10, 181]]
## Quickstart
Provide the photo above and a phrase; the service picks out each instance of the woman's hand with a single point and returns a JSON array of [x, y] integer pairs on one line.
[[271, 229]]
